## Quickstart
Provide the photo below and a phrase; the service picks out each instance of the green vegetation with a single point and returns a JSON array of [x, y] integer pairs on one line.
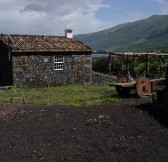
[[98, 120], [100, 64], [103, 118], [142, 35], [62, 95]]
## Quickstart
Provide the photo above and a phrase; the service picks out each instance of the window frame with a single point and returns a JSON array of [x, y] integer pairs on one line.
[[58, 63]]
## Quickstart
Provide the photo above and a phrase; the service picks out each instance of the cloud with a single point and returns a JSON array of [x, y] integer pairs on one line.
[[50, 16], [55, 6], [33, 7]]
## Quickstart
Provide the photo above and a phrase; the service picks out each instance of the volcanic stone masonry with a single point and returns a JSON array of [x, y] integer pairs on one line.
[[38, 70]]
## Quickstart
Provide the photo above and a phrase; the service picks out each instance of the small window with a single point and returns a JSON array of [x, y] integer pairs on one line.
[[58, 62]]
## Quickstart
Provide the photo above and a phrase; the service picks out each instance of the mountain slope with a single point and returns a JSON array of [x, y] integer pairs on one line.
[[147, 34]]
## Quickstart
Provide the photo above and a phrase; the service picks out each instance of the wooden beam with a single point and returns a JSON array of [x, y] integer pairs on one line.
[[160, 64], [127, 64], [133, 64], [147, 65], [136, 54], [109, 64], [122, 58]]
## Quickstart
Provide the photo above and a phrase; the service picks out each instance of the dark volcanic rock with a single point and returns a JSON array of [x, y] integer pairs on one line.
[[62, 133]]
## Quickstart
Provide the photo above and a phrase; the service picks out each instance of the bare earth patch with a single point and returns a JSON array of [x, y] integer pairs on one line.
[[62, 133]]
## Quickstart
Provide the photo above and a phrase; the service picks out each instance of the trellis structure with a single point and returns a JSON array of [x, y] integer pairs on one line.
[[127, 55]]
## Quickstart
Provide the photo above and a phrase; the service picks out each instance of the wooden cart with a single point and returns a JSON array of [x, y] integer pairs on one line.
[[142, 86]]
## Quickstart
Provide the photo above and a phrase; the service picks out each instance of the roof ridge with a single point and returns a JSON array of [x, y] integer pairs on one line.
[[32, 35]]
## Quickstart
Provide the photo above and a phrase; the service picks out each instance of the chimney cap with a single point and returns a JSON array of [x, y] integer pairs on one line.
[[68, 29], [68, 33]]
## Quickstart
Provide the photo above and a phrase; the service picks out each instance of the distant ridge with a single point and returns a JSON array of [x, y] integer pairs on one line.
[[144, 35]]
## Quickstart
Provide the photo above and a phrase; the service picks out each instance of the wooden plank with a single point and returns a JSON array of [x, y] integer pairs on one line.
[[157, 80], [131, 84]]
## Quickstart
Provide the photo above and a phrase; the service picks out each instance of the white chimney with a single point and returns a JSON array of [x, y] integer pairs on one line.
[[68, 33]]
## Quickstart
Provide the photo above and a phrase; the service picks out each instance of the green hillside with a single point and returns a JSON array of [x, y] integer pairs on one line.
[[143, 35]]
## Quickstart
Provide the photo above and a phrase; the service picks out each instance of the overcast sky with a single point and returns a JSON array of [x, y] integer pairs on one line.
[[51, 17]]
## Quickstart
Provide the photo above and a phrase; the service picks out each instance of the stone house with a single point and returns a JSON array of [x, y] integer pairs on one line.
[[37, 60]]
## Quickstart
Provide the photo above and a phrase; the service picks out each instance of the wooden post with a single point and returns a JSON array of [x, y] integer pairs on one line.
[[147, 65], [133, 65], [160, 63], [122, 57], [112, 67], [127, 64], [166, 82], [109, 64]]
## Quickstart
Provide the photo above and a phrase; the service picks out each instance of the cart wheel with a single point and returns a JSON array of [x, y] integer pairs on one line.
[[123, 91], [143, 86]]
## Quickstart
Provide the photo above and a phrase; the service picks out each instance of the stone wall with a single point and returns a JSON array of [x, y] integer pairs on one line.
[[38, 70], [81, 69], [99, 78]]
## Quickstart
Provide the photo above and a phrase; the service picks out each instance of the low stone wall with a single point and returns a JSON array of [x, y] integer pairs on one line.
[[99, 78]]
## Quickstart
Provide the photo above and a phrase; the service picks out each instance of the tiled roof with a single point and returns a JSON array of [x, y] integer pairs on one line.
[[37, 43]]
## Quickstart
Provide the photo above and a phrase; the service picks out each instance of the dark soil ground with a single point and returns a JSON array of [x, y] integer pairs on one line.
[[62, 133]]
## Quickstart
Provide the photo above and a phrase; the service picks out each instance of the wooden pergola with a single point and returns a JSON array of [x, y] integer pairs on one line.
[[132, 54]]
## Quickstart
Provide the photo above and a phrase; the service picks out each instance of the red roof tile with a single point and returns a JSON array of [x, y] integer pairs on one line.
[[36, 43]]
